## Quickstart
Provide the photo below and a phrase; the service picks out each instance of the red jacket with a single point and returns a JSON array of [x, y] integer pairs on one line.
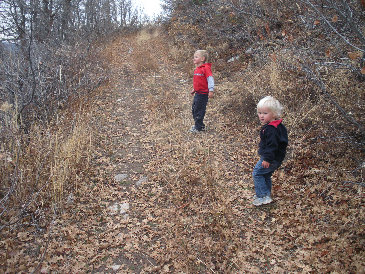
[[201, 74]]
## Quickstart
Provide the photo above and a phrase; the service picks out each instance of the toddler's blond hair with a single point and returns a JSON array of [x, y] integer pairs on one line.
[[203, 53], [271, 103]]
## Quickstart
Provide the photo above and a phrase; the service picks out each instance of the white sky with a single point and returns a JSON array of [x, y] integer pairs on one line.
[[150, 7]]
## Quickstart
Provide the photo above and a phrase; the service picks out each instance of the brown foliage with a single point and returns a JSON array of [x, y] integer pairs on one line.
[[194, 213]]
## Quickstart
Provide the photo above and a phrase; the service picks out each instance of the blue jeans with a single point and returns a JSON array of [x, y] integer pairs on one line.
[[198, 109], [262, 178]]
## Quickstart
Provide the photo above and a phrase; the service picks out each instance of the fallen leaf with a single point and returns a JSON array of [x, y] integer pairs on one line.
[[354, 55], [273, 57], [363, 70]]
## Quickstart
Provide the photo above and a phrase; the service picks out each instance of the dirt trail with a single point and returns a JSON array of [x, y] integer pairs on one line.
[[100, 229], [121, 219]]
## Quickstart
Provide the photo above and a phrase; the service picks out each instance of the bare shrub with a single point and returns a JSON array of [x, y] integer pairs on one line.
[[43, 151], [39, 169]]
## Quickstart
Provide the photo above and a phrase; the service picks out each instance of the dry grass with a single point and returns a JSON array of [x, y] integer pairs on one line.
[[69, 154], [41, 168]]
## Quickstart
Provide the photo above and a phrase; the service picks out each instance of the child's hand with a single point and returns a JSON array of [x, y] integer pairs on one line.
[[265, 164], [192, 92], [211, 94]]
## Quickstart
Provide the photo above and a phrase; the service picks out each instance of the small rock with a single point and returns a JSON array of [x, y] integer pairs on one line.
[[44, 270], [70, 198], [116, 267], [234, 58], [124, 208], [141, 181], [119, 208], [120, 177]]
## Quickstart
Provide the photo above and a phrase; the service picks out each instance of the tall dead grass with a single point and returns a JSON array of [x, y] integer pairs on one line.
[[69, 154], [39, 169]]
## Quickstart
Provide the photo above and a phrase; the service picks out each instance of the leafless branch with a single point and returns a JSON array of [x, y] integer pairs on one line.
[[238, 10], [347, 16], [333, 28], [355, 183], [312, 76], [30, 61]]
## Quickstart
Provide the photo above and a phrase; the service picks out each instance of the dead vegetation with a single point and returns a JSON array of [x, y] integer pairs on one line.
[[194, 213], [207, 186]]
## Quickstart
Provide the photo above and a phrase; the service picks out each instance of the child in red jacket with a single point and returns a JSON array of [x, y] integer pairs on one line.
[[203, 83]]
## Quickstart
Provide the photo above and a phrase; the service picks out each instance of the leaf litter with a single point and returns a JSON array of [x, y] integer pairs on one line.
[[189, 196]]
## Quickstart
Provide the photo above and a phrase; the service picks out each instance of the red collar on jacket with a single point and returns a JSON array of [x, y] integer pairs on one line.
[[275, 123], [205, 65]]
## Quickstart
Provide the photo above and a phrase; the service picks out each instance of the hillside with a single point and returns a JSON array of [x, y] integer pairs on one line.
[[154, 198]]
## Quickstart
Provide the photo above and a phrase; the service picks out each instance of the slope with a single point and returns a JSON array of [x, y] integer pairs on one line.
[[159, 199]]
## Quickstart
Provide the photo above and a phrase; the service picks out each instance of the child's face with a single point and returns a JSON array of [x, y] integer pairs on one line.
[[198, 59], [265, 115]]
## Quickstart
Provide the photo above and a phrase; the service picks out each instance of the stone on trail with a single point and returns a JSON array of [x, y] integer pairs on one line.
[[142, 180], [116, 267], [120, 177], [121, 208]]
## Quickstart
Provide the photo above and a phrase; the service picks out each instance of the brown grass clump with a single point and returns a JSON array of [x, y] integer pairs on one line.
[[69, 155], [41, 168]]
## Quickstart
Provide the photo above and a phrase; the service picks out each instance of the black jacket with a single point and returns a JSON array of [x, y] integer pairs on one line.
[[273, 141]]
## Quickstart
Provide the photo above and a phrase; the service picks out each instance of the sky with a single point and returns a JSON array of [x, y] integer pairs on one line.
[[150, 7]]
